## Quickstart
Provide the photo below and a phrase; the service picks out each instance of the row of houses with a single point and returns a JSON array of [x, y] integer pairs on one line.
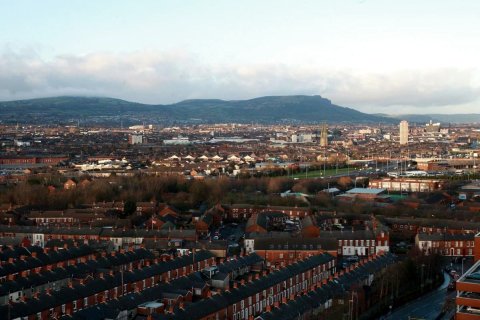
[[252, 297], [316, 303], [413, 226], [120, 238], [279, 248], [106, 287], [263, 298], [16, 286], [446, 244]]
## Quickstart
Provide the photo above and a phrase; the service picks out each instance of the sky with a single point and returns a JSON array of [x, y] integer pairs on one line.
[[384, 56]]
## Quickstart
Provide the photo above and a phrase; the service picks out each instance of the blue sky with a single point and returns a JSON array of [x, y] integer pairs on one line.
[[375, 56]]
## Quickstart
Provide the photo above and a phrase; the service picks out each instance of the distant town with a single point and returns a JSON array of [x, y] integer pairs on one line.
[[238, 221]]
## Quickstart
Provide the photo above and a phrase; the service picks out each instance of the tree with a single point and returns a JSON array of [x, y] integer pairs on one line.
[[129, 207], [344, 182]]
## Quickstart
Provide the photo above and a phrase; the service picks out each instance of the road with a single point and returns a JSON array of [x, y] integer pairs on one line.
[[427, 307]]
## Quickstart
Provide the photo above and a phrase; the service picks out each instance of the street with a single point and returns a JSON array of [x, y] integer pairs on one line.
[[427, 307]]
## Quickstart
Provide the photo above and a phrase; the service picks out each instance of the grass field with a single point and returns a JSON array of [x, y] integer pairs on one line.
[[319, 173]]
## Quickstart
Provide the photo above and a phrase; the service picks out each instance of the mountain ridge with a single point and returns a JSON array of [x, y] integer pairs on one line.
[[267, 109]]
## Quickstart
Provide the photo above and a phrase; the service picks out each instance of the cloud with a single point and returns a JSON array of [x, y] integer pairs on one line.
[[166, 77]]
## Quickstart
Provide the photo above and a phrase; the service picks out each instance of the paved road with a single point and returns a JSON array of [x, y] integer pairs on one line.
[[427, 307]]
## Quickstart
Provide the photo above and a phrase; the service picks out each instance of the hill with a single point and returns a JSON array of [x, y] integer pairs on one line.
[[442, 118], [273, 109]]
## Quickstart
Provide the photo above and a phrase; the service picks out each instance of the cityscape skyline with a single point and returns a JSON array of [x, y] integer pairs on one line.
[[160, 52]]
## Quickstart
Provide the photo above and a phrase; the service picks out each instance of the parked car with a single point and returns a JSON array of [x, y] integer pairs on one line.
[[352, 259]]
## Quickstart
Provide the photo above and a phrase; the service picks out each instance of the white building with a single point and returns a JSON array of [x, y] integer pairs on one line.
[[403, 132], [135, 139]]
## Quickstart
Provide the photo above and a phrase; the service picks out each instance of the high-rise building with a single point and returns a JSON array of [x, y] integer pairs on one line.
[[324, 136], [135, 139], [403, 132]]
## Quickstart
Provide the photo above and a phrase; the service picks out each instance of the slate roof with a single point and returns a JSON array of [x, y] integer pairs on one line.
[[176, 287], [218, 302], [337, 287], [68, 294], [43, 259], [446, 237]]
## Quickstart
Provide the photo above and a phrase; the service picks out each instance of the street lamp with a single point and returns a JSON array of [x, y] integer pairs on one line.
[[421, 282]]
